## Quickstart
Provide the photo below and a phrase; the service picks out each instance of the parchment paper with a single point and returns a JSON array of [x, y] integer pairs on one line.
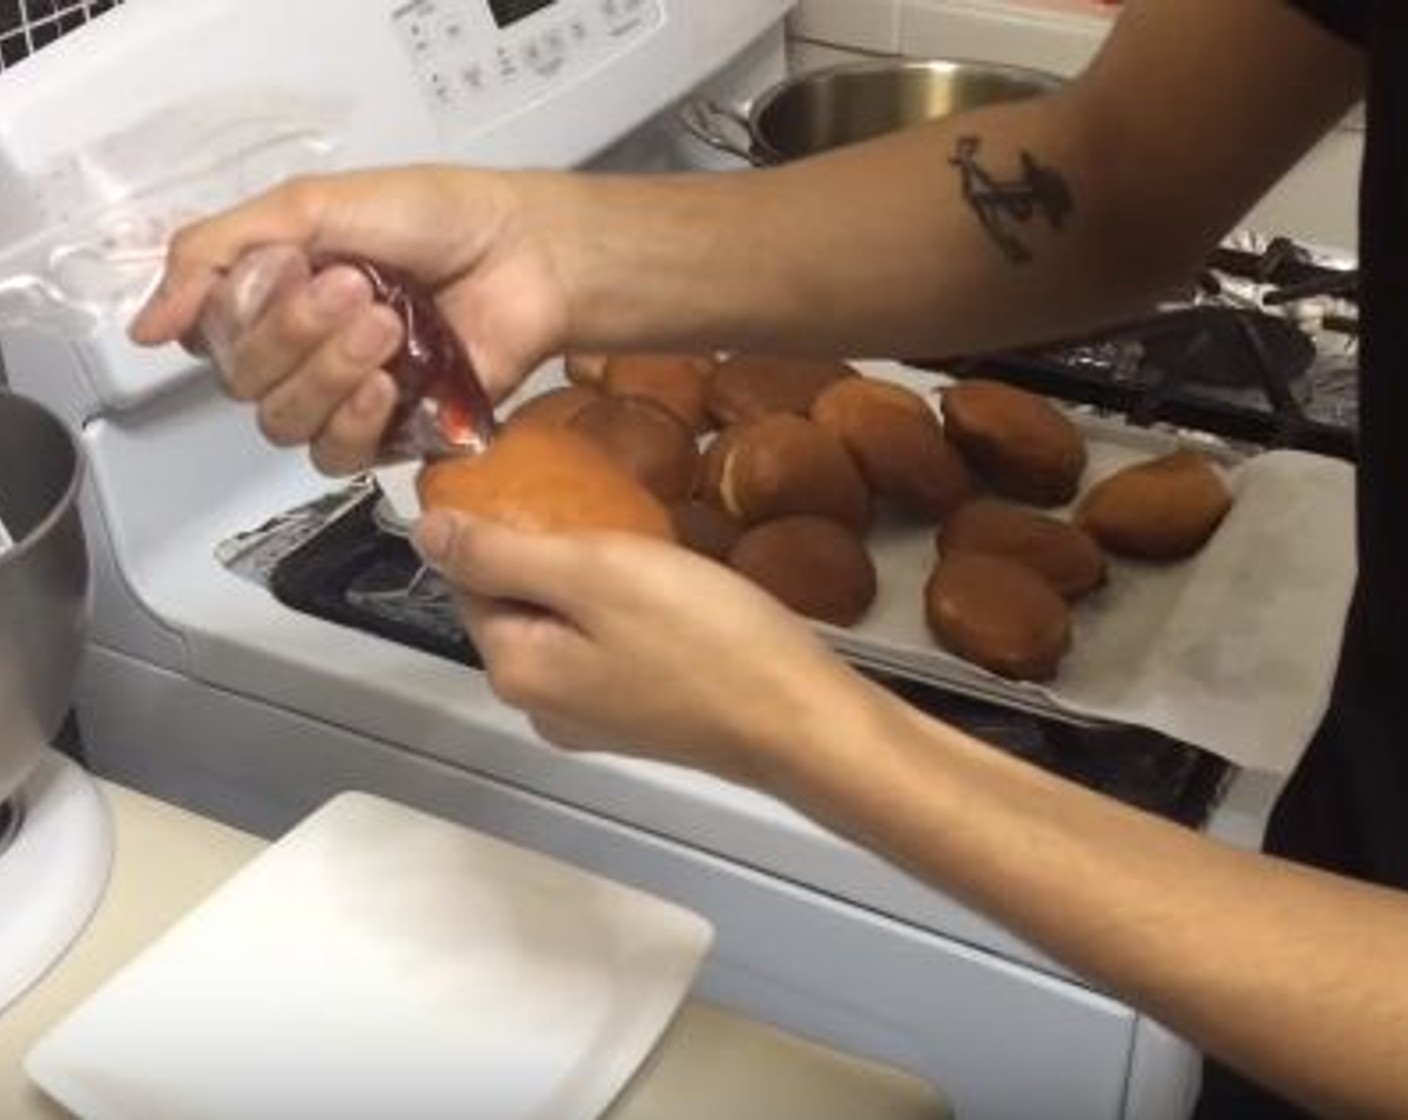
[[1232, 650]]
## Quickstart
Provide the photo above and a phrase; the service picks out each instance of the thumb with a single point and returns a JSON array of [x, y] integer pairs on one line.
[[495, 562]]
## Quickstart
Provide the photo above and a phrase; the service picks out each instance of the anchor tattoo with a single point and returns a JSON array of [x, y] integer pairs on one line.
[[999, 204]]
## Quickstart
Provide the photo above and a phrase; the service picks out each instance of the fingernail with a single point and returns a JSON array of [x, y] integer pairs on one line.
[[433, 538], [337, 289], [139, 329]]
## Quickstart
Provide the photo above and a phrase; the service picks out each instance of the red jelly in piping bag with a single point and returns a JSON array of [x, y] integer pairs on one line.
[[441, 406]]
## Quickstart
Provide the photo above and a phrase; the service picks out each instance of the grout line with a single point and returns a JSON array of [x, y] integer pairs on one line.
[[54, 19]]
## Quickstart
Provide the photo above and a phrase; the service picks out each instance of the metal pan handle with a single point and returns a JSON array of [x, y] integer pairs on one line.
[[719, 126]]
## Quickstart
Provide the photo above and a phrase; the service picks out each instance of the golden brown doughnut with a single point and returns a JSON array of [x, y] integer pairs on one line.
[[841, 397], [1021, 444], [676, 382], [784, 465], [705, 528], [999, 614], [554, 406], [750, 386], [647, 441], [1066, 556], [1162, 509], [544, 479], [585, 369], [815, 566], [898, 443]]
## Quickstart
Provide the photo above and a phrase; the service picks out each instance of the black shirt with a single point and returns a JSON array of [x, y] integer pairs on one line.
[[1348, 18], [1346, 807]]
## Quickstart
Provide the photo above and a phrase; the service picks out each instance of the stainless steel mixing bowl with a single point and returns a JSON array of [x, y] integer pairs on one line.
[[821, 109], [44, 583]]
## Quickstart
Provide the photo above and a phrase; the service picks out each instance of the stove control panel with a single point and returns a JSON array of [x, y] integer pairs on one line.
[[480, 61]]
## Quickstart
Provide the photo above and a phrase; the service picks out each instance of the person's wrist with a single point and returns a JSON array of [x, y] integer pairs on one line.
[[548, 215], [808, 752]]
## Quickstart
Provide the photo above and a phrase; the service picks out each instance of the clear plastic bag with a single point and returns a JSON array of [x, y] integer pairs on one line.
[[83, 239], [441, 406]]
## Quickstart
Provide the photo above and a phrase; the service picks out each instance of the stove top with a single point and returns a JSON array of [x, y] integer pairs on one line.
[[1264, 353]]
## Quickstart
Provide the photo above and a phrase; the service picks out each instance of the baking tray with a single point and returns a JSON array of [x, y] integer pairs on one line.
[[1232, 650]]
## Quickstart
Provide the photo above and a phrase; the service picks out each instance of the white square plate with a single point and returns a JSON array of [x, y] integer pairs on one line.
[[378, 962]]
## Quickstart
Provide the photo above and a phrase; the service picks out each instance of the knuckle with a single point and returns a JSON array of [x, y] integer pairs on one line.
[[239, 381], [185, 242], [326, 379]]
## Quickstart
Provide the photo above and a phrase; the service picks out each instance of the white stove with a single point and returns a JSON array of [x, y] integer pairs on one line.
[[203, 689]]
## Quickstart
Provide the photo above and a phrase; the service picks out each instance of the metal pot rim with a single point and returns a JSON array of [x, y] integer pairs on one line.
[[767, 154], [36, 536]]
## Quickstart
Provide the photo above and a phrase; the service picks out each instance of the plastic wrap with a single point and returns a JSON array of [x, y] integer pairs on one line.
[[83, 238]]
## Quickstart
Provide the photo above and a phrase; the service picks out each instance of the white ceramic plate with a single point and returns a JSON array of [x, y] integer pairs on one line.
[[377, 962]]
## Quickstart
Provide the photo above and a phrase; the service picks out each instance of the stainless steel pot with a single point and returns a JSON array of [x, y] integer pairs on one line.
[[822, 109], [44, 583]]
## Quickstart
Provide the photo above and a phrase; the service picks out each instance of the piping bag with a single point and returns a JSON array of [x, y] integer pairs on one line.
[[442, 409]]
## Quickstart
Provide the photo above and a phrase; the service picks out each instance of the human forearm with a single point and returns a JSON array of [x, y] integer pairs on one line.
[[871, 250], [1100, 200], [1296, 976]]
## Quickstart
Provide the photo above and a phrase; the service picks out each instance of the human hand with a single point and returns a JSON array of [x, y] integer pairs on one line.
[[615, 642], [309, 349]]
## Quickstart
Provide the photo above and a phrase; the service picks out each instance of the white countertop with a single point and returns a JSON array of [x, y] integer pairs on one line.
[[710, 1063]]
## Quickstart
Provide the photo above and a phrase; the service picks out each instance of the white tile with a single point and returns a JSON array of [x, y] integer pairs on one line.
[[1056, 35], [803, 55], [868, 25]]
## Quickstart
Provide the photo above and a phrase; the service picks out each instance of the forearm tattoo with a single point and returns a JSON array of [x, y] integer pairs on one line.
[[1002, 205]]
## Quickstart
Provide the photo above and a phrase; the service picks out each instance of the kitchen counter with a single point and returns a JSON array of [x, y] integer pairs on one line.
[[710, 1062]]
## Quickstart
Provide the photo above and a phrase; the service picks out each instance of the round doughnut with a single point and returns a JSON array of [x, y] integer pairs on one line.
[[544, 479], [750, 386], [1162, 509], [999, 614], [651, 444], [555, 406], [1022, 445], [705, 528], [898, 443], [678, 383], [783, 465], [1066, 556], [815, 566]]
